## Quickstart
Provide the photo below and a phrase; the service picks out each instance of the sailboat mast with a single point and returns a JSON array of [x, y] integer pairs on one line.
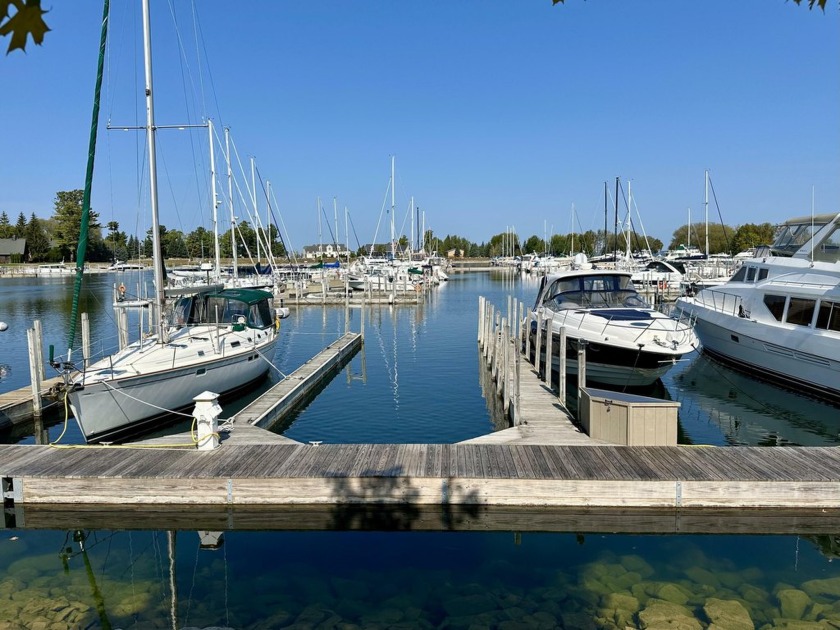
[[215, 204], [393, 207], [706, 206], [157, 257], [256, 209], [230, 201]]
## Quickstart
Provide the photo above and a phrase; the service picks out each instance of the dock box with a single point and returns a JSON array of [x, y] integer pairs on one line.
[[628, 419]]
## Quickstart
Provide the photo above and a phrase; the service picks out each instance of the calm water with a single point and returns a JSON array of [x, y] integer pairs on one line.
[[417, 380]]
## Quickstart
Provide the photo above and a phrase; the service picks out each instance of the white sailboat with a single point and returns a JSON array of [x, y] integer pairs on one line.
[[219, 341]]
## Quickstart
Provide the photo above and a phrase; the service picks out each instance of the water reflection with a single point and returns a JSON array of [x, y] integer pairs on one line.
[[721, 406]]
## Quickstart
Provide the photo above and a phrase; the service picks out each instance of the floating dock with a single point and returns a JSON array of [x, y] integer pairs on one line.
[[546, 464]]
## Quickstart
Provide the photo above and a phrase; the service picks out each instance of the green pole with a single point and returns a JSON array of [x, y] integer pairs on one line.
[[83, 232]]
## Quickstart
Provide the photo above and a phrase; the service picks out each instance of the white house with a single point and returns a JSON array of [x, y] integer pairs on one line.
[[330, 250]]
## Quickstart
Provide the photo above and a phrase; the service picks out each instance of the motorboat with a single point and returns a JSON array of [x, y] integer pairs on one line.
[[627, 342], [778, 316]]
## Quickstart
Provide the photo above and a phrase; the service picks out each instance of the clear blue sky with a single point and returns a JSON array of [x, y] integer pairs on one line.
[[499, 112]]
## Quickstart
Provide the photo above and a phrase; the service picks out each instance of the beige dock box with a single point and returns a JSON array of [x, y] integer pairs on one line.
[[628, 419]]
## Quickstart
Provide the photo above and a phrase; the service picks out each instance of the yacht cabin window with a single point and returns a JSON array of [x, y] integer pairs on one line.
[[750, 274], [762, 273], [601, 291], [776, 305], [801, 311], [828, 317], [739, 275]]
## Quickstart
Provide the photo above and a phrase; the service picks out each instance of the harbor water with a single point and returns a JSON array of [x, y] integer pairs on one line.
[[418, 379]]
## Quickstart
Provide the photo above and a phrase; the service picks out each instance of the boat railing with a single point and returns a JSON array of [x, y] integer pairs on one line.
[[721, 301]]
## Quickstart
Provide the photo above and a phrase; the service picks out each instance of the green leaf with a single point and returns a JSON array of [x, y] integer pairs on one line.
[[28, 20]]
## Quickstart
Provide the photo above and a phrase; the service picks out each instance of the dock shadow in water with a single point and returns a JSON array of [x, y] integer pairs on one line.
[[386, 501]]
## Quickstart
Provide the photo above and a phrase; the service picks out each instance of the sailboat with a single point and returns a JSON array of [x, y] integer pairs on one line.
[[216, 340]]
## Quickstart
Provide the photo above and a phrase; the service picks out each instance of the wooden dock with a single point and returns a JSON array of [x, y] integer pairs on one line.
[[426, 474], [16, 406], [545, 468]]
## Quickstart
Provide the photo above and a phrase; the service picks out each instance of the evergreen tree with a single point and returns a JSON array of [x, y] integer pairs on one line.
[[20, 226], [68, 221], [37, 240], [5, 227]]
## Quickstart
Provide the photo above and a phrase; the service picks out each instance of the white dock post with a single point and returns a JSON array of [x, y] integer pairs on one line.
[[494, 356], [34, 373], [501, 355], [206, 414], [581, 358], [490, 332], [481, 320], [517, 372], [362, 317], [85, 339], [39, 347], [526, 331], [122, 327], [549, 360], [561, 385], [538, 343]]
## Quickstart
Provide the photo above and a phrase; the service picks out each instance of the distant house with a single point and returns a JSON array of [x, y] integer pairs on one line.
[[455, 253], [314, 252], [12, 250]]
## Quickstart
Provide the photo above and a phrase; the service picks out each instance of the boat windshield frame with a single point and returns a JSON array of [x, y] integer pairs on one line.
[[592, 291]]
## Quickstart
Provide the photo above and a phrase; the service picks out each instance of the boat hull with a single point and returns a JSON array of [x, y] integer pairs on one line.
[[609, 365], [792, 358], [121, 407]]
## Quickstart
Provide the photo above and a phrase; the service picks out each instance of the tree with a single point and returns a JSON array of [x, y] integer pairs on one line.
[[20, 226], [37, 240], [68, 221], [752, 235], [28, 19], [6, 229], [720, 237]]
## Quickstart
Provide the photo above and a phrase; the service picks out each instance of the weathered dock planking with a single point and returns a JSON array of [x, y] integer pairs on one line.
[[16, 406], [427, 474]]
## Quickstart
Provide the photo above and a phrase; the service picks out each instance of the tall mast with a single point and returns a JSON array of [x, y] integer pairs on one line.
[[215, 203], [269, 257], [706, 206], [157, 258], [230, 201], [606, 195], [254, 201], [393, 204]]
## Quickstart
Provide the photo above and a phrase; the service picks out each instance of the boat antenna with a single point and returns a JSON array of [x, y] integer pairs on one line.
[[812, 224], [81, 251]]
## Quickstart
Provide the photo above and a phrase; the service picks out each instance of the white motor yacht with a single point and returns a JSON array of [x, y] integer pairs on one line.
[[628, 343], [778, 317]]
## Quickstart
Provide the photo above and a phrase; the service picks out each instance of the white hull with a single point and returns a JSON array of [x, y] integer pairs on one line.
[[129, 391], [793, 356]]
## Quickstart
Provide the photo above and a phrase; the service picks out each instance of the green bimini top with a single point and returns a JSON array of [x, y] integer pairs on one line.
[[249, 296]]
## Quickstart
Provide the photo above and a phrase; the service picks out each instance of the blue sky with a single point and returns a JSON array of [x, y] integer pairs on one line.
[[501, 113]]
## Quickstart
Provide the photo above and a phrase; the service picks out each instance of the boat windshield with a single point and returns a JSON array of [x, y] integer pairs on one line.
[[218, 309], [593, 291]]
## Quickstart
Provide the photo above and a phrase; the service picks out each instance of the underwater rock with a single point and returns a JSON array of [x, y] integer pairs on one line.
[[702, 576], [637, 564], [828, 586], [620, 608], [793, 603], [469, 605], [579, 620], [673, 593], [661, 614], [727, 614], [797, 624]]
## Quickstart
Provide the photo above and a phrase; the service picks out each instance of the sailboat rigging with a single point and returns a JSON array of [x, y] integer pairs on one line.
[[211, 340]]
